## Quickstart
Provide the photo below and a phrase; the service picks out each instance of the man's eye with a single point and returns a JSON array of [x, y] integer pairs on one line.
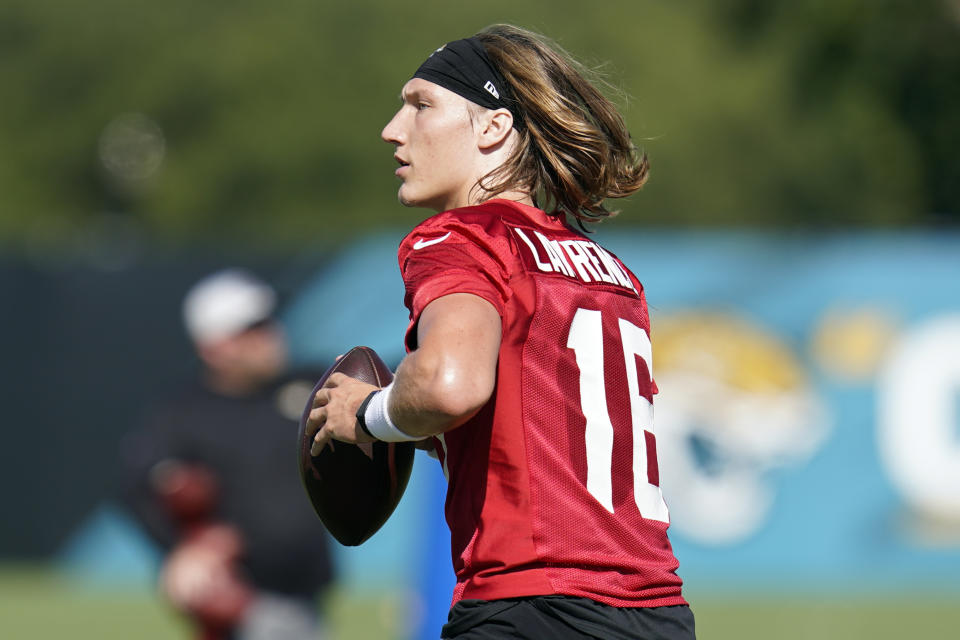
[[421, 106]]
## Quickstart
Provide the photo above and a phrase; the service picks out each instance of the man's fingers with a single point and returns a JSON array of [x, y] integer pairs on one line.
[[319, 442], [335, 380], [316, 420], [321, 398]]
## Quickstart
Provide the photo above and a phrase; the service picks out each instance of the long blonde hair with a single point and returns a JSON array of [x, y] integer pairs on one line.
[[574, 149]]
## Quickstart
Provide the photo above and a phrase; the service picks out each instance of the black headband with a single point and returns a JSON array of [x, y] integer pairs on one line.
[[462, 66]]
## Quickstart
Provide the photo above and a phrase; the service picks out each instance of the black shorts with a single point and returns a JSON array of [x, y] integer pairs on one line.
[[561, 617]]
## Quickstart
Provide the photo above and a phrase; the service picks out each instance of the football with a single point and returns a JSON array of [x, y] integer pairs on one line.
[[354, 488]]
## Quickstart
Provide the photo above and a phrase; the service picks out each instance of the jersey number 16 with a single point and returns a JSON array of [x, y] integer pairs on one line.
[[586, 340]]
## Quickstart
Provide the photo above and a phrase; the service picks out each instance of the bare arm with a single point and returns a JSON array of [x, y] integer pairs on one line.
[[437, 387], [452, 373]]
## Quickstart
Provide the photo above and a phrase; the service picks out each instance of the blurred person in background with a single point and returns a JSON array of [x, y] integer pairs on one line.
[[528, 367], [210, 475]]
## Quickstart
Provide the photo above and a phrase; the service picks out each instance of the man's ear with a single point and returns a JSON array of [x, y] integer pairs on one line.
[[496, 127]]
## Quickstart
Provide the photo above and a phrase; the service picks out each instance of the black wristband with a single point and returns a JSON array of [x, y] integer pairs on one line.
[[363, 409]]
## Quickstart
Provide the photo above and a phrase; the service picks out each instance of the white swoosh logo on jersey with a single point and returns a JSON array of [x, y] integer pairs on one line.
[[421, 243]]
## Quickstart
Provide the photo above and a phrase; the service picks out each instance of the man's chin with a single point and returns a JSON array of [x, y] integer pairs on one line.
[[404, 198], [420, 203], [409, 201]]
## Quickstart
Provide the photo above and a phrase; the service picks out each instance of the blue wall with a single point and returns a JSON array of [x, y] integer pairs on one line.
[[808, 424], [779, 357]]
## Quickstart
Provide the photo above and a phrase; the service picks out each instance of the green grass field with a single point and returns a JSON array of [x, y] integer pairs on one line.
[[36, 604]]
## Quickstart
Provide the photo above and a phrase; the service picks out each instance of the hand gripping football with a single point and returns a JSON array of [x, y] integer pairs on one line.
[[354, 488]]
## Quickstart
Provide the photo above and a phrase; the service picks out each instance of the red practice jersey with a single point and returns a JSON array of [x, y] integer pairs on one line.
[[553, 487]]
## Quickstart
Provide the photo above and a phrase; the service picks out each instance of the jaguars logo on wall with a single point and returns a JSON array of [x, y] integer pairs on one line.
[[735, 405]]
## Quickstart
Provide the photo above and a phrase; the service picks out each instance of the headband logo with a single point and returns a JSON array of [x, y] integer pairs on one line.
[[492, 90]]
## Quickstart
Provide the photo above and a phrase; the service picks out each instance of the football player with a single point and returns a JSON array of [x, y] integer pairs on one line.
[[529, 360]]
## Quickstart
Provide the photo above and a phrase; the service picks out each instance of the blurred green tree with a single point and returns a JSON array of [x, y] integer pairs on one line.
[[251, 123], [904, 54]]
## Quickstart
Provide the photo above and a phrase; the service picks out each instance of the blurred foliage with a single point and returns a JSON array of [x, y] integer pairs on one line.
[[902, 54], [255, 123]]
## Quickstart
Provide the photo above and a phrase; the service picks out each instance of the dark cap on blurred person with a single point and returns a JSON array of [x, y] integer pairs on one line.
[[226, 303]]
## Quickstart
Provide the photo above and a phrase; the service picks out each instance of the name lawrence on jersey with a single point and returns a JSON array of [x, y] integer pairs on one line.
[[574, 258]]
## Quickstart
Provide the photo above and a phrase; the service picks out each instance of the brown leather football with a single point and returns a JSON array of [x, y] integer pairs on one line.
[[354, 489]]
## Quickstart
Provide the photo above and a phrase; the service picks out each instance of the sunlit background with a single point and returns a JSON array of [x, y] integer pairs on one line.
[[798, 241]]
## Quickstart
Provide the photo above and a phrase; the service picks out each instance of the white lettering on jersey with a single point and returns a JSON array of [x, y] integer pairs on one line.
[[613, 267], [590, 249], [581, 260], [552, 247], [590, 262], [543, 266]]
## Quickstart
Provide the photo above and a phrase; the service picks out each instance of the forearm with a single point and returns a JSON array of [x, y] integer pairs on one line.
[[431, 394], [437, 387], [448, 378]]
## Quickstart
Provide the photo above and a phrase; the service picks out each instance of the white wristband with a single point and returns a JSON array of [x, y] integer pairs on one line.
[[378, 421]]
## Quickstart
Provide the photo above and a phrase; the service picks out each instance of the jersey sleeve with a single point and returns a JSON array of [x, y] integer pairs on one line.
[[445, 255]]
